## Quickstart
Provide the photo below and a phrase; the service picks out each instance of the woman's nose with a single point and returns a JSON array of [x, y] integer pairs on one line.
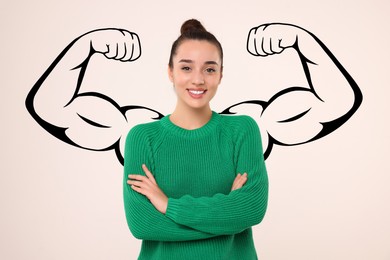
[[198, 78]]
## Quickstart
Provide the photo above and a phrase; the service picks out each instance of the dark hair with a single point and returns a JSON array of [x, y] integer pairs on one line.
[[193, 30]]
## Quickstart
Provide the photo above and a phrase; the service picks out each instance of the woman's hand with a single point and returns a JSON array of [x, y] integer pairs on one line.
[[239, 181], [147, 186]]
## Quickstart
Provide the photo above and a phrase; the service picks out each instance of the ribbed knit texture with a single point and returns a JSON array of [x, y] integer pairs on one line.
[[196, 169]]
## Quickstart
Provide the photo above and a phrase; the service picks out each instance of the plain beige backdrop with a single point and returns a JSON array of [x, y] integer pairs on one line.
[[328, 199]]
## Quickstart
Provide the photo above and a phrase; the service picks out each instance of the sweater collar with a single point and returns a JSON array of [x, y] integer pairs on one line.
[[194, 133]]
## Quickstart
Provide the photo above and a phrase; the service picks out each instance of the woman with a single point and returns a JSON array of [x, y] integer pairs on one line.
[[195, 181]]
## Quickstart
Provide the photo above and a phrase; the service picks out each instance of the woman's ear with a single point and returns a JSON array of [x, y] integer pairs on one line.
[[170, 73], [221, 74]]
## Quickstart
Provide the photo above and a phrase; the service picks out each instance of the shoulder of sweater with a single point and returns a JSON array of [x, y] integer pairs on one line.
[[146, 130], [238, 128], [239, 122]]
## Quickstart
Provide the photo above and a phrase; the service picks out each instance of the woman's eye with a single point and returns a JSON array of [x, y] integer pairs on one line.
[[210, 70], [185, 68]]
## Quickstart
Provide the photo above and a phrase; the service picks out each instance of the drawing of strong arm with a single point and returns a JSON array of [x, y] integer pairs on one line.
[[88, 120], [301, 114]]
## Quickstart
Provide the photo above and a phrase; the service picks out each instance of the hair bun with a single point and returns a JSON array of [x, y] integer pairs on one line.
[[191, 25]]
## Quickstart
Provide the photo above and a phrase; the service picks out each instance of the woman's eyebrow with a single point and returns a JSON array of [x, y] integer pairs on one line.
[[211, 62], [191, 61], [185, 61]]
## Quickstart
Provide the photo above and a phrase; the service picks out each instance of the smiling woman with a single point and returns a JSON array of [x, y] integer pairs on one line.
[[195, 175], [196, 74]]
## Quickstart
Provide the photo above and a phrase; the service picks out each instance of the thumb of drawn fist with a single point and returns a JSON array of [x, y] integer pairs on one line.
[[116, 44]]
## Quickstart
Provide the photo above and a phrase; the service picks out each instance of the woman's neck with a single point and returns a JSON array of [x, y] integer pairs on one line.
[[191, 118]]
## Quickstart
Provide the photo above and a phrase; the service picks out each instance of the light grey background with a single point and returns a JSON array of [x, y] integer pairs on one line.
[[328, 199]]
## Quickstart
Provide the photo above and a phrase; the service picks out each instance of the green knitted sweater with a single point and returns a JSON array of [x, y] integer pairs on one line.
[[195, 169]]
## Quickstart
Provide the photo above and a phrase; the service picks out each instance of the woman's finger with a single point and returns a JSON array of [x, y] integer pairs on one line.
[[139, 190], [243, 179], [136, 183], [236, 182], [148, 173], [137, 177], [239, 181]]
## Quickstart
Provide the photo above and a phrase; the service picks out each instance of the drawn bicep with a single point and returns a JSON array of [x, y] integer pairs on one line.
[[94, 122], [294, 117]]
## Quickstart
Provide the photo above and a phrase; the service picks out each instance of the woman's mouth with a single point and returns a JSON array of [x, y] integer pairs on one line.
[[196, 93]]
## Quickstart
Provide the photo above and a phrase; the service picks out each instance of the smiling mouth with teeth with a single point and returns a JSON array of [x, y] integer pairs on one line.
[[197, 92]]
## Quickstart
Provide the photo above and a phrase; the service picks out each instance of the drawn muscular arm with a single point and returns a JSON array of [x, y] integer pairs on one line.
[[88, 120], [301, 114]]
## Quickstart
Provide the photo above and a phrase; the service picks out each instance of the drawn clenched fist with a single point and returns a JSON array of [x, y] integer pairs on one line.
[[116, 44], [268, 39]]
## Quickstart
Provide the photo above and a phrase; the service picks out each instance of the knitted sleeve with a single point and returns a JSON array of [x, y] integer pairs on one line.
[[240, 209], [144, 221]]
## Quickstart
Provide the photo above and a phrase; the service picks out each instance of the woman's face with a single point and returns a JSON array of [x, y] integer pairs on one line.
[[196, 73]]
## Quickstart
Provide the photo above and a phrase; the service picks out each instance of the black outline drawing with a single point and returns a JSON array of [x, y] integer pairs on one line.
[[327, 127], [60, 132], [118, 52]]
